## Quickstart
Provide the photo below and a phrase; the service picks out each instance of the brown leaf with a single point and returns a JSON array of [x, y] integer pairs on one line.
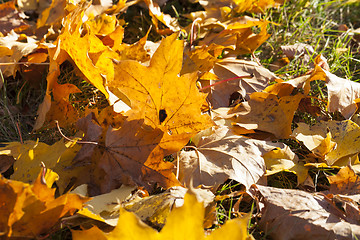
[[223, 155], [16, 48], [268, 112], [343, 95], [295, 214], [230, 68], [10, 18], [134, 155]]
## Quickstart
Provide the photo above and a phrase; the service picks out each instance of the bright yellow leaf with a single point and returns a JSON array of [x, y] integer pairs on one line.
[[182, 223]]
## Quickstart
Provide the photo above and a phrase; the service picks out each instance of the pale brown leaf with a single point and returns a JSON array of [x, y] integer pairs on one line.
[[295, 214]]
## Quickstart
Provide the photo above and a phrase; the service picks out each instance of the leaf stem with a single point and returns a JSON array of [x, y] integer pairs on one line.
[[226, 80]]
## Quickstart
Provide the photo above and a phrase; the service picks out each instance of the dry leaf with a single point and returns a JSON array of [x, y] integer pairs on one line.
[[345, 182], [315, 138], [10, 18], [220, 95], [155, 209], [31, 210], [166, 19], [268, 112], [158, 95], [104, 207], [134, 154], [344, 133], [343, 95], [284, 159], [295, 214], [185, 222], [15, 48], [223, 155]]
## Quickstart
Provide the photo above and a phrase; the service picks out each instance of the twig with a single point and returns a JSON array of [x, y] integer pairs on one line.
[[226, 80], [71, 140], [23, 63]]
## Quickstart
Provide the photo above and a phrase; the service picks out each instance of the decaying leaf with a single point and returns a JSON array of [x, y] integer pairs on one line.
[[268, 112], [343, 95], [12, 48], [220, 95], [31, 210], [295, 214], [345, 182], [284, 159], [224, 155], [135, 151], [345, 134], [185, 222]]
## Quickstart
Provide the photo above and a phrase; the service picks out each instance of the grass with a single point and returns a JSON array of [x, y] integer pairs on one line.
[[314, 22]]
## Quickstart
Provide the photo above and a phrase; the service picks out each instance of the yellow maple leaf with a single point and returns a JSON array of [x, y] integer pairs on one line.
[[182, 223], [158, 93]]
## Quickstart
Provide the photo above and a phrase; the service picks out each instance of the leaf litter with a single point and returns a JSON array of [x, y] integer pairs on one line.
[[181, 118]]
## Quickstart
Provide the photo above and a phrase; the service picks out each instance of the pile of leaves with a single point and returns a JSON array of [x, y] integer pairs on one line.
[[146, 121]]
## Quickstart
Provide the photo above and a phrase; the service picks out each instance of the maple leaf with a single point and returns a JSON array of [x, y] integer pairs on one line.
[[238, 36], [278, 160], [136, 151], [342, 133], [343, 95], [13, 47], [345, 182], [31, 210], [166, 100], [10, 18], [268, 112], [221, 156], [185, 222], [220, 95], [313, 216]]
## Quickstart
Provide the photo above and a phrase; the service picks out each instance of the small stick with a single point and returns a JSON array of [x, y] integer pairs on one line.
[[19, 131], [23, 63], [226, 80], [71, 140], [192, 31]]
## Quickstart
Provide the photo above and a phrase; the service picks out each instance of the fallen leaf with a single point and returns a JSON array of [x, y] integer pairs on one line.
[[134, 154], [344, 133], [295, 214], [315, 138], [185, 222], [31, 210], [166, 19], [155, 209], [284, 159], [16, 50], [268, 112], [342, 94], [238, 36], [229, 68], [10, 18], [104, 207], [167, 101], [344, 182], [223, 155]]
